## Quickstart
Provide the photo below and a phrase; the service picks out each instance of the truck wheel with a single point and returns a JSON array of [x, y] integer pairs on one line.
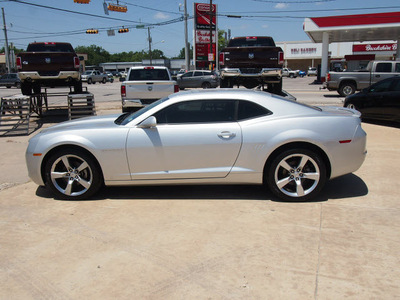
[[104, 80], [346, 89], [89, 81], [250, 84], [36, 89], [78, 87], [26, 89], [275, 88], [226, 83]]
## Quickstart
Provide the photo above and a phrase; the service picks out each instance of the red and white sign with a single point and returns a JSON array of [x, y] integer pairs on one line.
[[202, 27], [203, 36], [375, 47]]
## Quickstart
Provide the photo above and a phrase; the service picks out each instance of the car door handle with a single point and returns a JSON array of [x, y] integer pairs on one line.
[[226, 135]]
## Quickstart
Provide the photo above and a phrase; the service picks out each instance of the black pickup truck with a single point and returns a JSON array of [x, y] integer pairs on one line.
[[252, 61], [48, 65]]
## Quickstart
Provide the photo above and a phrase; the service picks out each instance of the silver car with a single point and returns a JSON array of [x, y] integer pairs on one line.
[[198, 79], [202, 137]]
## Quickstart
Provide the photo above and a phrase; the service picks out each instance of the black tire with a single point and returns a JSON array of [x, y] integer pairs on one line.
[[296, 175], [206, 85], [275, 88], [26, 89], [8, 86], [78, 87], [346, 89], [104, 80], [18, 85], [226, 83], [36, 89], [89, 81], [72, 174], [291, 75]]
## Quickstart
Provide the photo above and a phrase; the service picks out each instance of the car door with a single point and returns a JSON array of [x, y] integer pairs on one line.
[[192, 140], [383, 71], [184, 81], [376, 96], [392, 101]]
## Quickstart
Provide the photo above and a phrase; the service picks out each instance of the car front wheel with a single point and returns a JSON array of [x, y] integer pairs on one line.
[[296, 175], [72, 174]]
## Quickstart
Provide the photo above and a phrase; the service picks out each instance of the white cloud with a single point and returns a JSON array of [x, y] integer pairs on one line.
[[281, 5], [161, 16]]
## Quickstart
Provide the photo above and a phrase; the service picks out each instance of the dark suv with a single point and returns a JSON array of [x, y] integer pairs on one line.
[[197, 79], [10, 80]]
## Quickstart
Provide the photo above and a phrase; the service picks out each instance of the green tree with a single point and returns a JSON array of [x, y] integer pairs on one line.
[[182, 53], [96, 54], [222, 42]]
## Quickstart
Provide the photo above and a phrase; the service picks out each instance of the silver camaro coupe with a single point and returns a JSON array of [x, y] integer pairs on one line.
[[202, 137]]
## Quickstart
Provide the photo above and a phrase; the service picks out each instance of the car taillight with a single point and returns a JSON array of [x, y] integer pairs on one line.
[[328, 77], [148, 68], [176, 88], [77, 63], [19, 63], [123, 91], [222, 58], [280, 58]]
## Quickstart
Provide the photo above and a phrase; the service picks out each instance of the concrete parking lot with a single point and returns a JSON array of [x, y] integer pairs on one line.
[[203, 242]]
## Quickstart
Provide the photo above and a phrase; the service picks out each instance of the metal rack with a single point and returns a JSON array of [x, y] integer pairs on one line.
[[81, 105], [15, 114]]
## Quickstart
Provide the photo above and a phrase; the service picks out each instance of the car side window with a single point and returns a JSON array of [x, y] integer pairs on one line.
[[397, 68], [248, 110], [197, 73], [384, 67], [188, 74], [198, 111], [382, 86], [396, 86]]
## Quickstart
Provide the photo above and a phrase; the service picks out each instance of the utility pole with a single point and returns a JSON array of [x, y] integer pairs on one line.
[[148, 30], [187, 58], [211, 42], [6, 46]]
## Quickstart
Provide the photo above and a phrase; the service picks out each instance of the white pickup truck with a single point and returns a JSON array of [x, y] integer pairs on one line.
[[144, 85], [346, 83]]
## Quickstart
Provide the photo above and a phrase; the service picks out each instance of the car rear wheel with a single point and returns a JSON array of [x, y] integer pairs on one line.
[[72, 174], [296, 175], [206, 85], [104, 80], [89, 81]]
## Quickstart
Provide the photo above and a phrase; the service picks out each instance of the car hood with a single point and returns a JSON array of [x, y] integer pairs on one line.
[[106, 121], [342, 111]]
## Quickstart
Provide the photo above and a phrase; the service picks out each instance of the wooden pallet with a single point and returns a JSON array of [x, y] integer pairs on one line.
[[81, 105], [15, 115]]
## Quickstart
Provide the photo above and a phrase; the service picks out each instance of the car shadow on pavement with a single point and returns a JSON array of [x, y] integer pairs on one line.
[[347, 186]]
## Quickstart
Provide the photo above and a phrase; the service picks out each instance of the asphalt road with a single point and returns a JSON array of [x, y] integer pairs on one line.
[[203, 242]]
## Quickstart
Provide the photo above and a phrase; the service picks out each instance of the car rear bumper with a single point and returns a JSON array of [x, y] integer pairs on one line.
[[62, 75], [265, 72]]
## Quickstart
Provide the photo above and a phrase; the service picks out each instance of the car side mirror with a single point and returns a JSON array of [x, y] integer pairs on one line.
[[150, 122]]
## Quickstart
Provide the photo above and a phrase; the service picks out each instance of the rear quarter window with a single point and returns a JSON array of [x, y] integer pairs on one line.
[[249, 110]]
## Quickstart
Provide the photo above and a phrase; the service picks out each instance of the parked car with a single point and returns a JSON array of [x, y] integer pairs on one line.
[[202, 137], [9, 80], [197, 79], [380, 101], [302, 73], [287, 72], [312, 71], [93, 76], [110, 77]]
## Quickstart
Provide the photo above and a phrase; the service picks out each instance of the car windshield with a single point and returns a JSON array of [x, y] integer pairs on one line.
[[252, 42], [128, 117], [87, 73]]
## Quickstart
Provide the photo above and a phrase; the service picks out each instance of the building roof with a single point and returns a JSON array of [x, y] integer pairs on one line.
[[351, 28]]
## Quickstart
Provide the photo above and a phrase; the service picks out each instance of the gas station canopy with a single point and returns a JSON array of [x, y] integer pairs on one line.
[[354, 28]]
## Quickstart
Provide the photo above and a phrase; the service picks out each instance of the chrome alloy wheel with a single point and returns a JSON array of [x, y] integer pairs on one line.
[[71, 175], [297, 175]]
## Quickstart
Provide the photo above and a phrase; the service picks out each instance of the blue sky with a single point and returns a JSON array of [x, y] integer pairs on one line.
[[64, 20]]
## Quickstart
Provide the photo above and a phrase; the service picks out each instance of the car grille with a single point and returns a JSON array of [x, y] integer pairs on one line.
[[250, 70]]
